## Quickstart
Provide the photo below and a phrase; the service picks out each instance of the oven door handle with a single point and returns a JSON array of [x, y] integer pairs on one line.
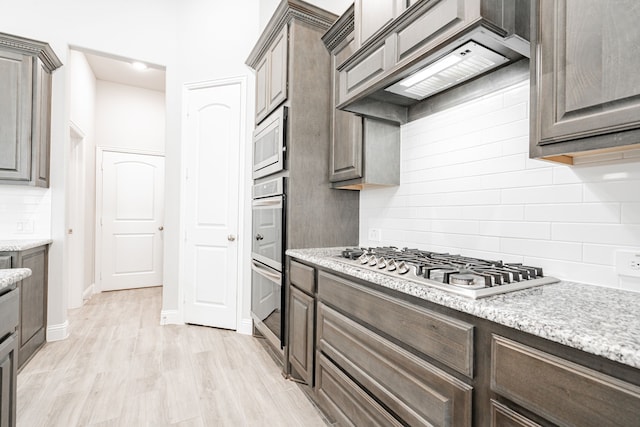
[[268, 202], [265, 271]]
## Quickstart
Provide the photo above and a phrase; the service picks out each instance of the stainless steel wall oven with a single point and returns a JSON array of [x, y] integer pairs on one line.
[[267, 255]]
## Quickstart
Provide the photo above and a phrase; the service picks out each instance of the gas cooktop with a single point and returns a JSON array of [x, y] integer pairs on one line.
[[468, 277]]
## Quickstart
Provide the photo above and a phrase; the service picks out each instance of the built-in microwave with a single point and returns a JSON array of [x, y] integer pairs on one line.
[[270, 144]]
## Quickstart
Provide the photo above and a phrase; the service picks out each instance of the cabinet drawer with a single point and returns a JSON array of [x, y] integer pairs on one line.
[[302, 276], [345, 401], [502, 416], [419, 393], [447, 340], [9, 303], [5, 261], [561, 391]]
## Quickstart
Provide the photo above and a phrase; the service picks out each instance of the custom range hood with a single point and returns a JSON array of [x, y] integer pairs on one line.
[[435, 45]]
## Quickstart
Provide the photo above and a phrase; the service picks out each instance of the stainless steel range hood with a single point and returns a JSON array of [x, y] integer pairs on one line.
[[487, 35]]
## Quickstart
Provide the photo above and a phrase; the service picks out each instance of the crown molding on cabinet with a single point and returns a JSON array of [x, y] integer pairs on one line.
[[36, 48]]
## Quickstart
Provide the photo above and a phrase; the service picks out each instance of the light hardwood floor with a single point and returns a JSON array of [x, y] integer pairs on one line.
[[120, 368]]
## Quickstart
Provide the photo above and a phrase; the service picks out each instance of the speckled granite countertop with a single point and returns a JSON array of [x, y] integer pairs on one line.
[[10, 276], [22, 245], [597, 320]]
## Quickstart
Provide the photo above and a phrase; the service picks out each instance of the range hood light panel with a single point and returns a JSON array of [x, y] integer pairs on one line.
[[469, 60]]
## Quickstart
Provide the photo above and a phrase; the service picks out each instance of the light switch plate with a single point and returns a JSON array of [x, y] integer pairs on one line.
[[628, 263], [374, 234]]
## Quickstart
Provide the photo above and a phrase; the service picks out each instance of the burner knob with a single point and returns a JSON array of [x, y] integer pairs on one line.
[[373, 261], [364, 259], [403, 268], [392, 266], [382, 263]]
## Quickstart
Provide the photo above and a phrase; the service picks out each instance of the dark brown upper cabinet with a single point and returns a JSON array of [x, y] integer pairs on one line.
[[25, 110], [585, 85]]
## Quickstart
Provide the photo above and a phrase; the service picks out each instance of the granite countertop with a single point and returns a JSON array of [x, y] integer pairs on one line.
[[597, 320], [10, 276], [22, 244]]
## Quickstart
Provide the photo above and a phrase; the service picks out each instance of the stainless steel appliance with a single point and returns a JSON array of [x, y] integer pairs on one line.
[[469, 277], [269, 144], [267, 253]]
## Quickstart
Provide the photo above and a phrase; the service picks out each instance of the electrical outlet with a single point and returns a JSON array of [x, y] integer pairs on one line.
[[374, 234], [628, 263]]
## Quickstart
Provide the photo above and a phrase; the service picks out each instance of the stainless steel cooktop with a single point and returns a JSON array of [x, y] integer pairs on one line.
[[468, 277]]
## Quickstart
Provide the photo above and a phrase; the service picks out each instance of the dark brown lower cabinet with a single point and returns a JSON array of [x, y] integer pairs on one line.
[[33, 300], [383, 357], [561, 391], [301, 314], [9, 301]]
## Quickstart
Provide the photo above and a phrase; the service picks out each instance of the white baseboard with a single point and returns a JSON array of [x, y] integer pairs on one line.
[[245, 327], [170, 317], [88, 293], [58, 332]]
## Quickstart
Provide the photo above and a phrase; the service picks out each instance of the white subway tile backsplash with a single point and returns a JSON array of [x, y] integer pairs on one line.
[[613, 234], [543, 194], [631, 213], [24, 212], [621, 191], [577, 212], [469, 187], [526, 230], [567, 251]]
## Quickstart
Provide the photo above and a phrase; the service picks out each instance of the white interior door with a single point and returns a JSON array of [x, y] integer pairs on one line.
[[131, 218], [76, 190], [213, 136]]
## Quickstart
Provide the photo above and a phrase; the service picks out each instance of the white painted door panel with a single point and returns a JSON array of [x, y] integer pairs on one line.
[[132, 216], [212, 147]]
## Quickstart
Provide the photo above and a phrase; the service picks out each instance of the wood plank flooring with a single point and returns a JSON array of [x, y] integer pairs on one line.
[[120, 368]]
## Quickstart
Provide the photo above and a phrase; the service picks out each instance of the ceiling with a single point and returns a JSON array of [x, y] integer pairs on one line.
[[121, 71]]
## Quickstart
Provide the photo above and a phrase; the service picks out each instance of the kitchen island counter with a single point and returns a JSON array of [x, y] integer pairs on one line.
[[597, 320]]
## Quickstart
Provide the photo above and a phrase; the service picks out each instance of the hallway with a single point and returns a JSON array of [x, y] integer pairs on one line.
[[119, 367]]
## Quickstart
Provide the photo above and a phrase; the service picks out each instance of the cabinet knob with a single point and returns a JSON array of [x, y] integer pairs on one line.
[[161, 228], [231, 237]]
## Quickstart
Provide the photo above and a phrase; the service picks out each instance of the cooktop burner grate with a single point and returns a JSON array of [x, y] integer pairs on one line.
[[466, 276]]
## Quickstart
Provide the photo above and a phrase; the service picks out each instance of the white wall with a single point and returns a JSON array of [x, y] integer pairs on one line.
[[468, 186], [144, 30], [82, 114], [129, 117]]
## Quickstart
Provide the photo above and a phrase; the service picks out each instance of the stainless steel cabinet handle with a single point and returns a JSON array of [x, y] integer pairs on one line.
[[259, 236], [231, 237]]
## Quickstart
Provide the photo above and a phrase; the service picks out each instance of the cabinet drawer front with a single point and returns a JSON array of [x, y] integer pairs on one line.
[[561, 391], [419, 393], [9, 303], [502, 416], [5, 261], [347, 402], [302, 276], [447, 340], [363, 71]]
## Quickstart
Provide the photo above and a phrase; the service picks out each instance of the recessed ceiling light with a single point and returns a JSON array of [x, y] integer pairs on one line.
[[139, 66]]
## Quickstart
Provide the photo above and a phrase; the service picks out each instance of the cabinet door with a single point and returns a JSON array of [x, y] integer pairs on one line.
[[33, 303], [301, 314], [15, 116], [346, 128], [8, 384], [372, 15], [586, 79], [42, 127], [278, 69], [261, 88]]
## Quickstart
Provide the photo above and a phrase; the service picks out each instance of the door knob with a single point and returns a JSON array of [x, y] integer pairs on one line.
[[231, 237], [259, 236], [161, 228]]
